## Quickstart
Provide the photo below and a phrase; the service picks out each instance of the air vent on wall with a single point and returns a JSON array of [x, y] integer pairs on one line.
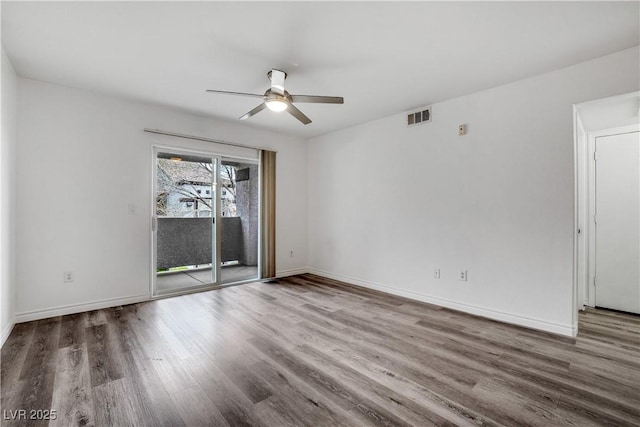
[[419, 117]]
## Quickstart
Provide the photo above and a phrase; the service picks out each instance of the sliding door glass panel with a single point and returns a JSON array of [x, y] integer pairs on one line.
[[185, 201], [239, 216]]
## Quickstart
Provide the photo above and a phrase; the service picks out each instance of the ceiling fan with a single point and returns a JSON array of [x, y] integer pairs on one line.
[[277, 99]]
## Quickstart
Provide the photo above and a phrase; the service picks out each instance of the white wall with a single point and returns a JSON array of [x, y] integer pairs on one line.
[[7, 198], [88, 158], [388, 204]]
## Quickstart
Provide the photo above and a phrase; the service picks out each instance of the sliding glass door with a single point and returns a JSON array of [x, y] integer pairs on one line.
[[239, 217], [184, 222], [205, 224]]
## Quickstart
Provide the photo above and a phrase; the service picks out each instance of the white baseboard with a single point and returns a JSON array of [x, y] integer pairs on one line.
[[292, 272], [5, 333], [543, 325], [567, 330], [28, 316]]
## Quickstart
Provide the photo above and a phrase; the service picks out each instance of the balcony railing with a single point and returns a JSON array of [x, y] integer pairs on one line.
[[188, 241]]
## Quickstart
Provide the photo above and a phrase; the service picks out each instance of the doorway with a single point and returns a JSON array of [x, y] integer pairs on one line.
[[206, 221], [607, 205]]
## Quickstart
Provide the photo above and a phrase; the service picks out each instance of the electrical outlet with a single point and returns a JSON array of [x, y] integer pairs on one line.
[[436, 273], [68, 276], [463, 275]]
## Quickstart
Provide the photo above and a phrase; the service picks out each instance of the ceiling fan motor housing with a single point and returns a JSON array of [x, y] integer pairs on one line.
[[269, 95]]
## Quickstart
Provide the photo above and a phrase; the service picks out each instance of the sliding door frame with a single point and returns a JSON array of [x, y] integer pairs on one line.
[[217, 243]]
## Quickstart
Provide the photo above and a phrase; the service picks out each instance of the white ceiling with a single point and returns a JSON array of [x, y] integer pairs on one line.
[[382, 57]]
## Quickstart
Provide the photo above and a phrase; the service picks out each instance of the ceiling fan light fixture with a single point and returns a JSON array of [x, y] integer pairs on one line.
[[276, 105]]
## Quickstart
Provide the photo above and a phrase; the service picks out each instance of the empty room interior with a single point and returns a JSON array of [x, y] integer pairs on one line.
[[320, 213]]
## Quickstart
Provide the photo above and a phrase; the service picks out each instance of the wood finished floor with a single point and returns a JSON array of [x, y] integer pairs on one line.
[[308, 351]]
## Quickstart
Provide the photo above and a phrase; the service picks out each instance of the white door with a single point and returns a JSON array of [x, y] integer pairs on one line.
[[618, 222]]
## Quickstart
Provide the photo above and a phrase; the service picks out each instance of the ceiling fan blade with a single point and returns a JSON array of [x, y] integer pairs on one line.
[[318, 99], [254, 111], [277, 81], [253, 95], [298, 114]]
